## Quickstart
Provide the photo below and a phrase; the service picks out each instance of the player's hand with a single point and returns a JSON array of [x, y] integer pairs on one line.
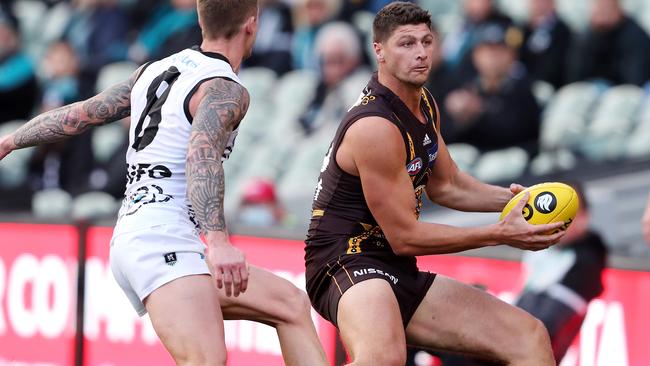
[[516, 232], [5, 146], [516, 189], [228, 267]]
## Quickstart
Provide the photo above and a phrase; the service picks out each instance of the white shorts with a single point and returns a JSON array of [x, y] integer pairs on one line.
[[144, 260]]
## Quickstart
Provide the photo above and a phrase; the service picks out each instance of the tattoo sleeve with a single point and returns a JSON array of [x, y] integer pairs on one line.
[[220, 111], [109, 106]]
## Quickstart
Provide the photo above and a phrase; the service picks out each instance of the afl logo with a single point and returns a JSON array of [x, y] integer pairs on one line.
[[545, 202], [414, 166]]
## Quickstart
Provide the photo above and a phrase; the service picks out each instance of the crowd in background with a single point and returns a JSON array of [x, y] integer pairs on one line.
[[483, 77]]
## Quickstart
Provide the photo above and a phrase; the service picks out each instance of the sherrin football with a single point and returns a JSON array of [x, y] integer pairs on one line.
[[548, 203]]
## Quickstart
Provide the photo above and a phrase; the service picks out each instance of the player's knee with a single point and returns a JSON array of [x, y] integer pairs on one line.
[[297, 306], [292, 306], [539, 336], [535, 341]]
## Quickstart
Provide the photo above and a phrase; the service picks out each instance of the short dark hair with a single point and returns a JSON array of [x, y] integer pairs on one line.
[[222, 18], [397, 14]]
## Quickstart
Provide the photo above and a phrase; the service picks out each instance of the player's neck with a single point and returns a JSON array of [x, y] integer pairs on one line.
[[231, 49], [409, 94]]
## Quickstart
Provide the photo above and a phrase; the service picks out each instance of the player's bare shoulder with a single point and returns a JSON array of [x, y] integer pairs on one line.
[[371, 141], [225, 98]]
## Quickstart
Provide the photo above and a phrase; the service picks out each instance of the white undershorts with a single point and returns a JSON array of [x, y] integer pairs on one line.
[[144, 260]]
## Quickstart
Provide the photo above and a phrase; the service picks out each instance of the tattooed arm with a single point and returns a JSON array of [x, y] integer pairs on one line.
[[109, 106], [222, 108]]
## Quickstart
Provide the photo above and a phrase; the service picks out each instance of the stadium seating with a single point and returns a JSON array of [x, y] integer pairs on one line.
[[114, 73], [31, 14], [94, 205], [566, 115], [501, 165], [106, 139], [465, 155], [637, 143], [51, 204], [606, 135]]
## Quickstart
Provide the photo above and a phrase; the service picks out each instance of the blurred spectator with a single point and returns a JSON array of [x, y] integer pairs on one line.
[[273, 44], [546, 43], [339, 51], [18, 87], [97, 32], [260, 205], [350, 7], [459, 43], [498, 108], [562, 280], [60, 69], [170, 29], [68, 163], [615, 47], [312, 15], [441, 82]]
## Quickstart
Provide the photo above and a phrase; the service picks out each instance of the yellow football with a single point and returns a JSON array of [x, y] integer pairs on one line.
[[548, 203]]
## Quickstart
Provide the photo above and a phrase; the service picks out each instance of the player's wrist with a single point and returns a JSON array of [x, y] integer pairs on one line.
[[7, 143], [494, 234], [217, 239]]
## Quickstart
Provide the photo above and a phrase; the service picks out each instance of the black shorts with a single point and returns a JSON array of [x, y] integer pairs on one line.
[[327, 283]]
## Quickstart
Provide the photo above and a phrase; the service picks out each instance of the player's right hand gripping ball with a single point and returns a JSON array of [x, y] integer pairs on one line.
[[548, 203]]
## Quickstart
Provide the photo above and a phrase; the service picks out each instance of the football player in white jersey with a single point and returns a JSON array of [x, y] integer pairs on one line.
[[185, 111]]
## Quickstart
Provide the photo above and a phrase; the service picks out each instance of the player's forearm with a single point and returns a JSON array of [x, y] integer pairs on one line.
[[205, 188], [466, 193], [427, 239], [53, 126], [59, 124]]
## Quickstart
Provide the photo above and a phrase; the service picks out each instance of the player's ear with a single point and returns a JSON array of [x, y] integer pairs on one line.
[[250, 26], [200, 23], [379, 51]]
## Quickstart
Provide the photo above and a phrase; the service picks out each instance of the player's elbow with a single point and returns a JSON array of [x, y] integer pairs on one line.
[[401, 243]]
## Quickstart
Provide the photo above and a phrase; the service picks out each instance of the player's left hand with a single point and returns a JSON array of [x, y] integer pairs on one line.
[[229, 268]]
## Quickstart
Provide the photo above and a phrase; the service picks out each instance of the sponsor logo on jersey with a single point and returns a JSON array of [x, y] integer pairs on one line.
[[143, 196], [170, 258], [414, 166], [427, 140], [433, 154], [364, 98], [368, 271], [136, 172], [545, 202]]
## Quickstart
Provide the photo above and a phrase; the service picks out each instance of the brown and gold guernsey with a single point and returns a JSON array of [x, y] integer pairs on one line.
[[341, 223]]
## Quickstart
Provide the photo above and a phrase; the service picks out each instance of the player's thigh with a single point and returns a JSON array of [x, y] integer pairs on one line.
[[187, 317], [370, 323], [457, 317], [268, 299]]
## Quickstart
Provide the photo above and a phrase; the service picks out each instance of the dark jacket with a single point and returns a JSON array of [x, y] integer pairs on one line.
[[510, 117], [620, 55], [545, 51]]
